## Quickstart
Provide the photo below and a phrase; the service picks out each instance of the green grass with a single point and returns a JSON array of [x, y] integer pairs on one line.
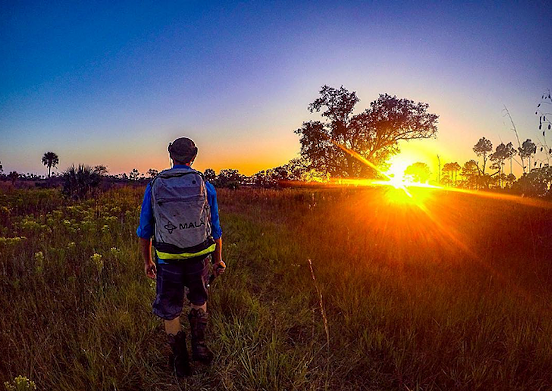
[[453, 295]]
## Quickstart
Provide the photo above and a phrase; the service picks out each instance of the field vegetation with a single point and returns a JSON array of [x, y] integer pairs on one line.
[[338, 289]]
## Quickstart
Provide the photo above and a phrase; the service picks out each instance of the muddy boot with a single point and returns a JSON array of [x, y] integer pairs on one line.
[[198, 322], [179, 359]]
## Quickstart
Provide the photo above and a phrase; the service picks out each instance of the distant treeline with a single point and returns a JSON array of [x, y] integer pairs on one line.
[[81, 181]]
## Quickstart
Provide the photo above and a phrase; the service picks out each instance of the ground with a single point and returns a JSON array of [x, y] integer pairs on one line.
[[325, 289]]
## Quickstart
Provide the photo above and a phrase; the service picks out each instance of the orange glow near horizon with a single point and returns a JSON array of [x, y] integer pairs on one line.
[[432, 223]]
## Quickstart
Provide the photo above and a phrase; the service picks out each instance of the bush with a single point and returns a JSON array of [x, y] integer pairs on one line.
[[80, 182]]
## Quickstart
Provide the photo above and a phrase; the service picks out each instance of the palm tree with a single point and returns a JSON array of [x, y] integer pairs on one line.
[[50, 159]]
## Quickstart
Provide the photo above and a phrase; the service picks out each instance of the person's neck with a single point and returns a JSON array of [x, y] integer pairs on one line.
[[189, 164]]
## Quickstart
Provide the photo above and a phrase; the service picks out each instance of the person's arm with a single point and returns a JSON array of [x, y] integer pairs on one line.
[[218, 265], [149, 265], [145, 232]]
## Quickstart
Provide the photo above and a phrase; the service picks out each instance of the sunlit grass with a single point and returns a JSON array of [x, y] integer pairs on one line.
[[437, 290]]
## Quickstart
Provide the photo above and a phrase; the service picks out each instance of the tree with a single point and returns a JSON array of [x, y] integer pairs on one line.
[[101, 170], [502, 153], [535, 183], [210, 175], [1, 168], [527, 149], [229, 178], [450, 171], [134, 174], [296, 168], [152, 173], [373, 134], [470, 172], [483, 148], [419, 172], [13, 176], [510, 180], [50, 159]]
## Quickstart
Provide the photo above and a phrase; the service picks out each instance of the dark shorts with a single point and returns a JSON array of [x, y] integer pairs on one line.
[[172, 278]]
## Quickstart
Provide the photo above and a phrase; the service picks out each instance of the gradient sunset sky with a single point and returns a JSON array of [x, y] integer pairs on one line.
[[113, 82]]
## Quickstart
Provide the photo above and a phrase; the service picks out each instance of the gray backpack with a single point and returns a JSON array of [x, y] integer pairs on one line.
[[182, 214]]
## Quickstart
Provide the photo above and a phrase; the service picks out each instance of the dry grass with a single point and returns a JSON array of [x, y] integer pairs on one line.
[[452, 295]]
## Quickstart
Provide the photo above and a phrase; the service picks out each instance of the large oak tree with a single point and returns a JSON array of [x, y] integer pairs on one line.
[[374, 134]]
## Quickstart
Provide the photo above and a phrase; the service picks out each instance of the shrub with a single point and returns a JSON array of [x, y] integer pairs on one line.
[[80, 182]]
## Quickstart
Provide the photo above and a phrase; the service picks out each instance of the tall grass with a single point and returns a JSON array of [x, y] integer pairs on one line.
[[452, 295]]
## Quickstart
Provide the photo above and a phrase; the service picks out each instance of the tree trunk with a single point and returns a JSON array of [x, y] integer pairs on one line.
[[350, 165]]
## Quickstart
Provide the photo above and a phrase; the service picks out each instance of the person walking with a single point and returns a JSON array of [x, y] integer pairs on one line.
[[180, 212]]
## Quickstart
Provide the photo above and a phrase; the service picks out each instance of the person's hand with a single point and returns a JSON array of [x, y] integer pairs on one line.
[[218, 268], [150, 269]]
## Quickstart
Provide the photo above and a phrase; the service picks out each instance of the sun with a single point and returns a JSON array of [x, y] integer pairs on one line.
[[396, 172]]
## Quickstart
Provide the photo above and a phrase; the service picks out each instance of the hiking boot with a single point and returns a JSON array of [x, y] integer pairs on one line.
[[179, 359], [198, 322]]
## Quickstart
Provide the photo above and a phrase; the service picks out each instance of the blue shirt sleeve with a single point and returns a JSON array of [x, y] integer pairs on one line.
[[145, 229], [216, 230]]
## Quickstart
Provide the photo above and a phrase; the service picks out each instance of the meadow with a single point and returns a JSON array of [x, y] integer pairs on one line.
[[336, 289]]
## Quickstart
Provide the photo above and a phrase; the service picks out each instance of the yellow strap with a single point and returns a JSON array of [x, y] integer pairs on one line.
[[163, 255]]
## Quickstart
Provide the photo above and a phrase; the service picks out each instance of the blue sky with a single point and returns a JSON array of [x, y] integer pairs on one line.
[[114, 82]]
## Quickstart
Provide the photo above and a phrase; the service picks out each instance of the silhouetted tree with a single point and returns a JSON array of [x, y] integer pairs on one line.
[[502, 153], [261, 179], [535, 183], [419, 172], [13, 176], [50, 159], [134, 174], [528, 149], [152, 173], [374, 134], [450, 171], [296, 168], [210, 175], [510, 180], [483, 148], [470, 173], [101, 170], [229, 178], [1, 168]]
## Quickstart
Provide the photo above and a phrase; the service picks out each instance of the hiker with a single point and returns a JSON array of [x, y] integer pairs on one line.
[[180, 212]]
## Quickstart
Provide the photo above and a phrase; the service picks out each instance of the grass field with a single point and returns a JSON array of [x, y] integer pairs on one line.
[[338, 289]]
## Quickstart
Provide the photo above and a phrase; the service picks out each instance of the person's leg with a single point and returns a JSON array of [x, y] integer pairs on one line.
[[168, 306], [173, 326], [198, 316], [198, 307]]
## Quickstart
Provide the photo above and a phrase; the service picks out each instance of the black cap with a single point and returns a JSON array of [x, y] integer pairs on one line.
[[182, 149]]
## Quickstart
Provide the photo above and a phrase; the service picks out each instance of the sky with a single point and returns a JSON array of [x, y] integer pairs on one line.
[[112, 83]]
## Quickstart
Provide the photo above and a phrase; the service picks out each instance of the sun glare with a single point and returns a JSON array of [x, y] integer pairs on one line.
[[396, 171]]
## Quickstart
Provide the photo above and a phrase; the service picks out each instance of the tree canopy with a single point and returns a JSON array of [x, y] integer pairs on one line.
[[502, 153], [527, 149], [450, 171], [483, 148], [374, 134], [418, 172], [50, 159]]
